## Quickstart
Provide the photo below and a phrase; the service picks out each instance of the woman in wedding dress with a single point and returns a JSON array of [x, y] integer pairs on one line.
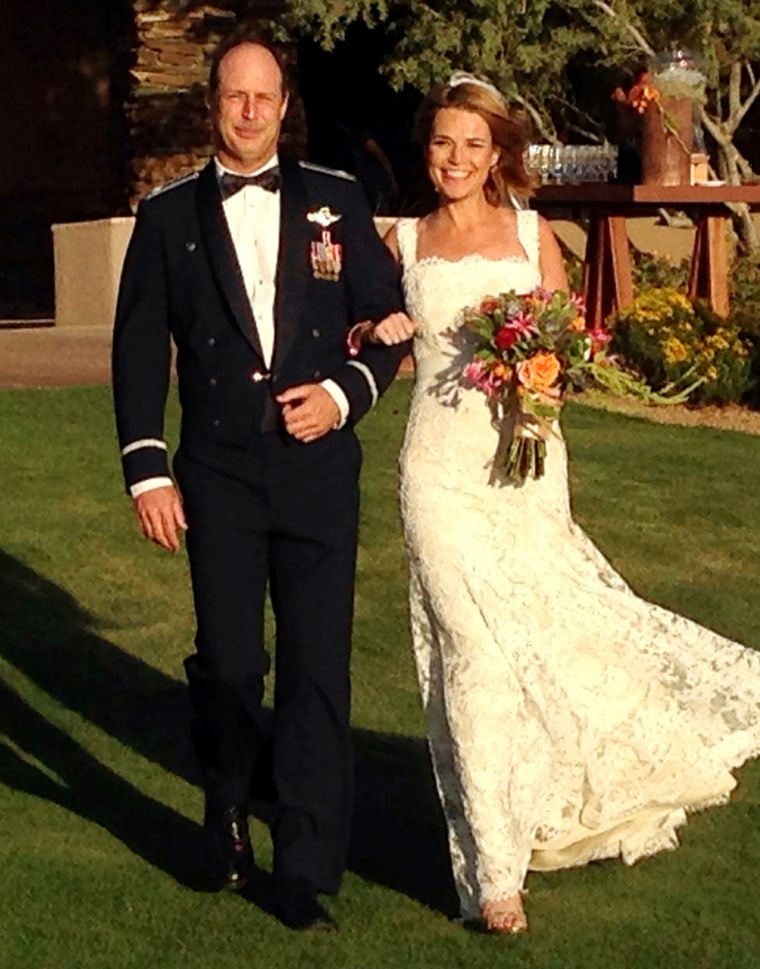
[[568, 719]]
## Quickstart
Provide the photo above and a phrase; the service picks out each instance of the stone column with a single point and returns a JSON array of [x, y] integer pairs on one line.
[[169, 134]]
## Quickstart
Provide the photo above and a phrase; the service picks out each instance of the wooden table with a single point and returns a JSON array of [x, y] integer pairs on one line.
[[607, 277]]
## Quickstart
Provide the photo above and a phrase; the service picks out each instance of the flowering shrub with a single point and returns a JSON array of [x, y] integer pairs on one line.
[[670, 339], [653, 270]]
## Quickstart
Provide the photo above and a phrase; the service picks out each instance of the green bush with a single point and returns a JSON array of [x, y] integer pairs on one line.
[[745, 296], [650, 271], [745, 312], [671, 339]]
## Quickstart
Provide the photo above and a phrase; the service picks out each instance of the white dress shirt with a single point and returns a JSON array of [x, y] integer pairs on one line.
[[253, 218]]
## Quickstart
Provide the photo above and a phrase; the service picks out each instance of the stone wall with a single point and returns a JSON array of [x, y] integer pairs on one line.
[[169, 134]]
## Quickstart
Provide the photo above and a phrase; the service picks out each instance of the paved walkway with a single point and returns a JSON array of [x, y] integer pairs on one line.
[[55, 356], [61, 356]]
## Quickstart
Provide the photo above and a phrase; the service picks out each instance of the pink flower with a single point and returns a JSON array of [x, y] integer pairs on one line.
[[493, 386], [523, 323], [599, 338], [600, 335], [578, 302], [482, 377], [475, 371]]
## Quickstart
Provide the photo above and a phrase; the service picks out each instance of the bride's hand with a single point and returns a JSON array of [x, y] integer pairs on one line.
[[395, 328]]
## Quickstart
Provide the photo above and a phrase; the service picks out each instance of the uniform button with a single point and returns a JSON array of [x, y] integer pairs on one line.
[[213, 381], [317, 374], [216, 422], [190, 246], [316, 334], [211, 341], [256, 376]]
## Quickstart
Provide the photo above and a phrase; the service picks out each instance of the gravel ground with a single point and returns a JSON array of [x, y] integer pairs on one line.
[[731, 417]]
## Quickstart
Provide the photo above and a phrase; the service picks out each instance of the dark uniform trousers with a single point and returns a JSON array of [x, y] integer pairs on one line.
[[264, 510]]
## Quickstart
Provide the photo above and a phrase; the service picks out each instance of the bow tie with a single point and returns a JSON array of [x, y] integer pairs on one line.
[[268, 180]]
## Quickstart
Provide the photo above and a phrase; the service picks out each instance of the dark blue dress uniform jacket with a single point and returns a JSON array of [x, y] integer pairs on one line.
[[181, 280]]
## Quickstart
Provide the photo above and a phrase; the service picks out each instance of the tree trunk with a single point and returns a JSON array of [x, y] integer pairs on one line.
[[729, 168]]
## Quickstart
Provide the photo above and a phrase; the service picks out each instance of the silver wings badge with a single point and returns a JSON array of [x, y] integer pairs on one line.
[[324, 217]]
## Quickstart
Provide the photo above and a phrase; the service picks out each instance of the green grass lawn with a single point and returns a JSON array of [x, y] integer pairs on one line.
[[98, 793]]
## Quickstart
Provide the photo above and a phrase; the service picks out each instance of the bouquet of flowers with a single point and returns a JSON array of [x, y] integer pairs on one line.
[[528, 351]]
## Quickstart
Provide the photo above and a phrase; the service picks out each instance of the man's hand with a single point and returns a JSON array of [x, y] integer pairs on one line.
[[309, 412], [160, 514]]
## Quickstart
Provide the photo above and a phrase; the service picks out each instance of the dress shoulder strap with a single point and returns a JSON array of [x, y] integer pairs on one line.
[[406, 234], [527, 232]]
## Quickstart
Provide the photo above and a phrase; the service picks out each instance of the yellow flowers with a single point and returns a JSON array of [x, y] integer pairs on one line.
[[717, 341], [672, 340], [673, 350]]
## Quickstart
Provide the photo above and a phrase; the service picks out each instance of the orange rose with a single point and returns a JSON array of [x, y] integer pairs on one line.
[[489, 304], [539, 372]]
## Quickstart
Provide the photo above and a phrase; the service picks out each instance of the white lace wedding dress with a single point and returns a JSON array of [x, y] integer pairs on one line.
[[568, 719]]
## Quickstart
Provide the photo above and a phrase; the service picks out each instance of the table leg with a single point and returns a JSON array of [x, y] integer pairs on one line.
[[708, 278], [607, 276]]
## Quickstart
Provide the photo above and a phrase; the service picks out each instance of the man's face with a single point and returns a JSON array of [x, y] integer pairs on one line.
[[248, 108]]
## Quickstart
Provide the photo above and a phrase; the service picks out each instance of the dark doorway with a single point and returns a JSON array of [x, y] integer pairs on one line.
[[61, 111]]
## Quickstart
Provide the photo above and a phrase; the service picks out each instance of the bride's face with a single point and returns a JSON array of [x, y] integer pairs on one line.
[[460, 153]]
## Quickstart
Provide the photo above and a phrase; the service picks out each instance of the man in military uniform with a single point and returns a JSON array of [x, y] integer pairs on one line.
[[257, 268]]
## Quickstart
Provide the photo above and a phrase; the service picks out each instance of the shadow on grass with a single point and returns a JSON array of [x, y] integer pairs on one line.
[[398, 835], [83, 785]]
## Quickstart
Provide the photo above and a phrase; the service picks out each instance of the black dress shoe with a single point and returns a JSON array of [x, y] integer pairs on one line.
[[228, 852], [303, 912]]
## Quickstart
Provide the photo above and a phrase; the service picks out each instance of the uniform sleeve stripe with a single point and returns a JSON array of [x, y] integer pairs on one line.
[[144, 442], [365, 371], [150, 484]]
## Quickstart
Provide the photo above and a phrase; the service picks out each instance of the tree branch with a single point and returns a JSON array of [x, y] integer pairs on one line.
[[735, 121], [641, 42], [540, 122], [734, 89]]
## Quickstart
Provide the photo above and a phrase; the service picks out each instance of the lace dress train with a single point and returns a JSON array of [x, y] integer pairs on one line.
[[569, 720]]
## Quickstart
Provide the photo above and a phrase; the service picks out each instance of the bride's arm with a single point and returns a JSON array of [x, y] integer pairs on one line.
[[391, 241], [394, 329], [553, 275]]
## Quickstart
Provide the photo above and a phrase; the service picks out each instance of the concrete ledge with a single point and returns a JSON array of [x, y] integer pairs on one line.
[[88, 257]]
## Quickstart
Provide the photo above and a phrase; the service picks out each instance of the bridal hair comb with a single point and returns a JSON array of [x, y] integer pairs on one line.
[[462, 77]]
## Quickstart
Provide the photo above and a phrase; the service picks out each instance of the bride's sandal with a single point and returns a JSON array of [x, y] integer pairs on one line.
[[506, 916]]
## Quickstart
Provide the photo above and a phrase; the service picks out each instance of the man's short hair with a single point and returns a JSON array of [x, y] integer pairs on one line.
[[240, 36]]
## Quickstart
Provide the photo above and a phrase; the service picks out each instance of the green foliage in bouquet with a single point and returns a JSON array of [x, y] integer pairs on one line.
[[670, 338]]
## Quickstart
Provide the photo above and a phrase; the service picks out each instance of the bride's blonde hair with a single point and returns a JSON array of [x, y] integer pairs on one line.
[[509, 133]]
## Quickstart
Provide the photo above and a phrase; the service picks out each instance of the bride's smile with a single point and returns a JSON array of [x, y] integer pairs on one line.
[[460, 153]]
